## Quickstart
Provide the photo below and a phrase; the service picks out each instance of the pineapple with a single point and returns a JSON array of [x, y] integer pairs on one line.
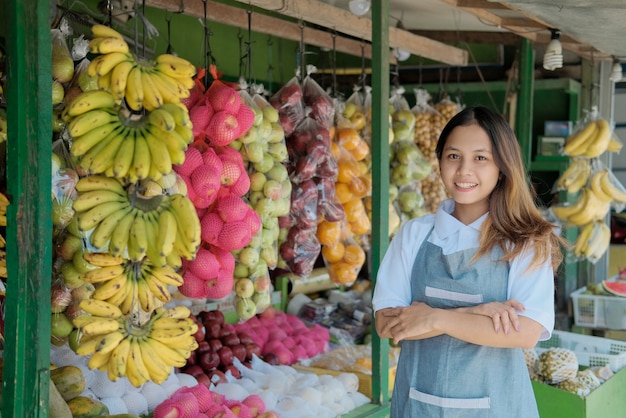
[[531, 357], [588, 378], [574, 386], [556, 365]]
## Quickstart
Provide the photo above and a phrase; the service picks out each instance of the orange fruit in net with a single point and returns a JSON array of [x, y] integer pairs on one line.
[[343, 193], [353, 209], [361, 224], [333, 253], [328, 233], [361, 151], [348, 138], [347, 170], [335, 150], [358, 187], [364, 168], [354, 255], [342, 273], [331, 132]]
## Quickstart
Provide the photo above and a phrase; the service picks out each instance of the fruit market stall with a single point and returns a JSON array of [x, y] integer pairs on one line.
[[189, 213]]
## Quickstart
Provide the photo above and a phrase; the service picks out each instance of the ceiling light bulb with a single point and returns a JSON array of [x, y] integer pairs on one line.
[[616, 72], [401, 54], [553, 57], [359, 7]]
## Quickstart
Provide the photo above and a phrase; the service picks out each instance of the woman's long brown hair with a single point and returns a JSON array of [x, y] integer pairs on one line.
[[514, 220]]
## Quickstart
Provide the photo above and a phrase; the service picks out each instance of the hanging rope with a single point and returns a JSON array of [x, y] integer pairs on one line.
[[270, 67], [168, 19], [301, 61], [242, 54], [334, 63], [208, 55]]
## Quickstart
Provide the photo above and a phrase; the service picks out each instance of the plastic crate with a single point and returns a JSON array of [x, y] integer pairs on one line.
[[590, 351], [595, 311]]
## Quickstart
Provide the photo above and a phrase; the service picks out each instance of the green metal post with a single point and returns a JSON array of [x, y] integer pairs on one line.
[[524, 112], [380, 180], [25, 380]]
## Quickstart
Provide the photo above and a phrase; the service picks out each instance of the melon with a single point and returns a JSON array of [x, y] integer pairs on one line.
[[615, 287]]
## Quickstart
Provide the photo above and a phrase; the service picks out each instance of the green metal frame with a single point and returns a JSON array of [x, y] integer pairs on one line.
[[25, 378]]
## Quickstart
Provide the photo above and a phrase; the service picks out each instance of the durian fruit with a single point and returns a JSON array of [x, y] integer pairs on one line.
[[531, 357], [588, 378], [574, 386], [557, 364]]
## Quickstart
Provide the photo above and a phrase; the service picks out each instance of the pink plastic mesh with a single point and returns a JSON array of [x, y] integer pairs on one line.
[[234, 236], [223, 97], [240, 409], [193, 159], [233, 166], [223, 129], [231, 207], [211, 158], [205, 180], [190, 405], [205, 265], [253, 220], [220, 286], [210, 226], [202, 395], [226, 259], [193, 287], [200, 116], [255, 403], [168, 409], [245, 116], [241, 186], [191, 194]]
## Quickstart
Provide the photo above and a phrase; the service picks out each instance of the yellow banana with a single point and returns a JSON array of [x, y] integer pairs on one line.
[[174, 260], [108, 45], [101, 235], [134, 89], [187, 220], [152, 251], [104, 82], [167, 276], [103, 274], [166, 235], [136, 370], [100, 308], [142, 158], [102, 31], [131, 299], [119, 237], [147, 299], [137, 240], [616, 193], [564, 211], [171, 92], [169, 356], [86, 160], [594, 209], [599, 242], [158, 289], [103, 64], [596, 185], [159, 154], [90, 183], [90, 100], [175, 66], [107, 289], [159, 371], [87, 345], [175, 144], [89, 219], [187, 343], [118, 297], [574, 144], [106, 157], [601, 140], [582, 241], [614, 145], [570, 173], [117, 362], [167, 323], [179, 112], [110, 341], [88, 121], [84, 319], [124, 157], [162, 119], [83, 143], [151, 94], [185, 132], [99, 361], [119, 78], [582, 176], [177, 312], [102, 259], [102, 326], [90, 199]]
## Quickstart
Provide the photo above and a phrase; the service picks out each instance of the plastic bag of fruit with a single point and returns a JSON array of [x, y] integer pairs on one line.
[[343, 257], [319, 105], [309, 152], [288, 101]]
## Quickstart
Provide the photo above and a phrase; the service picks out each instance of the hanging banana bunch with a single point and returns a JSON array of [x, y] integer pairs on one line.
[[592, 140]]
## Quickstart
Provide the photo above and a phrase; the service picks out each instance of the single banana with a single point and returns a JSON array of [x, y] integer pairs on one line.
[[169, 356], [180, 113], [90, 100], [86, 160], [152, 252], [582, 241], [102, 31], [159, 154], [103, 64], [151, 94], [187, 220], [582, 176], [593, 210], [167, 323], [104, 82], [158, 289], [564, 211], [176, 312], [90, 183], [102, 259], [136, 370], [616, 193], [159, 371], [90, 219], [137, 240], [83, 143], [84, 319], [596, 185], [88, 121], [134, 89], [117, 362], [167, 276], [142, 158], [102, 234], [174, 260], [100, 308], [175, 66], [90, 199], [171, 92], [173, 141], [574, 144], [167, 229], [601, 141], [162, 119], [187, 343], [600, 242], [119, 237], [104, 274], [124, 157], [131, 297], [614, 145], [119, 78], [570, 173], [102, 326], [87, 345], [99, 361], [110, 341], [108, 45], [118, 297], [147, 299], [106, 157], [185, 132]]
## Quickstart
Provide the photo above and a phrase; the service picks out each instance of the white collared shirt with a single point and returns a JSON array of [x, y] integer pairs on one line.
[[533, 288]]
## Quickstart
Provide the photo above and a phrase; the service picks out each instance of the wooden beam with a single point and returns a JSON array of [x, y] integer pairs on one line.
[[480, 4], [471, 37], [238, 17], [343, 21]]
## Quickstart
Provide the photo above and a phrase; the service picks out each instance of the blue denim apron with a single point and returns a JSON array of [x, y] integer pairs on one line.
[[444, 377]]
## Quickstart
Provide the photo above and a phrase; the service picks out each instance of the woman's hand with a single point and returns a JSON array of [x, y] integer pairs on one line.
[[503, 314], [406, 323]]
